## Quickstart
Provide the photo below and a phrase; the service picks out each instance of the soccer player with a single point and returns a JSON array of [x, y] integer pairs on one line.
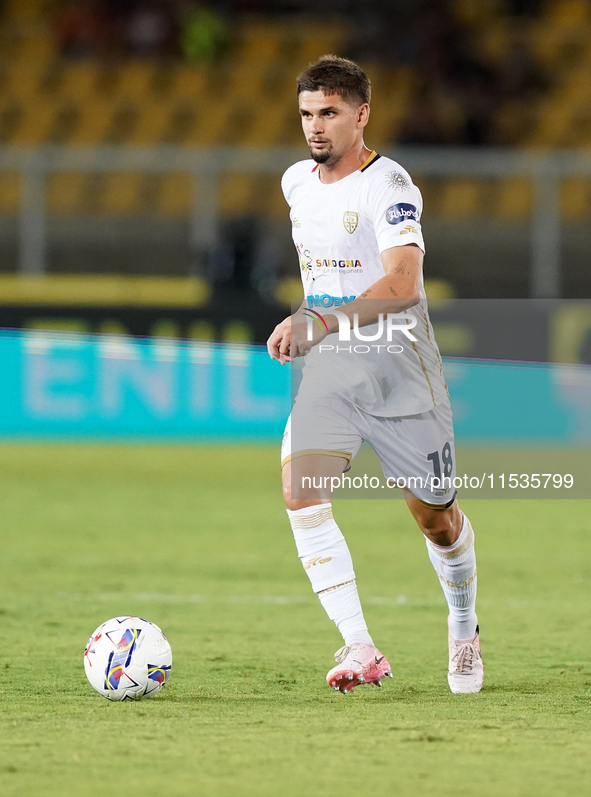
[[356, 227]]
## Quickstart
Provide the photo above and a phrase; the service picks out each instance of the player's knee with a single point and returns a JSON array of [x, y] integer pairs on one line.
[[437, 520], [287, 492], [290, 502], [300, 503], [296, 503], [441, 526]]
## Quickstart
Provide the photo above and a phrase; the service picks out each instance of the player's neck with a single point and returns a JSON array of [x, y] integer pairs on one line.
[[346, 165]]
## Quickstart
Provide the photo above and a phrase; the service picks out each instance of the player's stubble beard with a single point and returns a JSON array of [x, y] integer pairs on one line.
[[326, 156]]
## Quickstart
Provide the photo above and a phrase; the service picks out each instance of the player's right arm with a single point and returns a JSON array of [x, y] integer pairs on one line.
[[280, 339]]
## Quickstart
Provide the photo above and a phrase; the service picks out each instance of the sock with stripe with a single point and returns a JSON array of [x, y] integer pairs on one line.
[[456, 567], [326, 559]]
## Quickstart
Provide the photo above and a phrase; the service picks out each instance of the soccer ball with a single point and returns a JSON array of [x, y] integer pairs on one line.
[[127, 658]]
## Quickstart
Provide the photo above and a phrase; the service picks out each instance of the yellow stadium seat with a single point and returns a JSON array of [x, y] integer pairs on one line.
[[514, 198], [576, 90], [201, 330], [25, 11], [439, 292], [175, 195], [36, 122], [136, 79], [237, 332], [547, 43], [122, 195], [189, 83], [79, 81], [37, 45], [153, 120], [586, 54], [96, 116], [575, 200], [237, 192], [65, 192], [288, 290], [212, 118], [165, 328], [259, 40], [568, 13], [581, 135], [10, 192], [23, 79], [269, 198], [512, 121], [11, 112], [392, 92], [554, 121], [471, 13], [246, 82], [495, 40], [319, 41], [430, 189], [266, 127], [461, 199]]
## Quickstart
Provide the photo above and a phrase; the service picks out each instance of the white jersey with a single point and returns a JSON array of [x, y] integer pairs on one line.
[[340, 230]]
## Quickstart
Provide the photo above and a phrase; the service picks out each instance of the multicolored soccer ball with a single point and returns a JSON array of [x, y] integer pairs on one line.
[[127, 658]]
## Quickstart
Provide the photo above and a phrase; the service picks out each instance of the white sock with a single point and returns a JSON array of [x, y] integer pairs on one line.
[[326, 559], [456, 567], [343, 606]]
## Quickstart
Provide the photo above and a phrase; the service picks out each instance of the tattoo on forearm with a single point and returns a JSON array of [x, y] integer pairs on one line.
[[393, 291]]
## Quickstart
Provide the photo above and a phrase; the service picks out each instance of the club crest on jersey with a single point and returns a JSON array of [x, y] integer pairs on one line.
[[350, 220]]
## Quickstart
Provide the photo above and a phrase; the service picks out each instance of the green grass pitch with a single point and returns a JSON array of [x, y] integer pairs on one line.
[[196, 539]]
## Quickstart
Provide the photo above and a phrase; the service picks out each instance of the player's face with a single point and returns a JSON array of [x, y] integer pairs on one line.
[[332, 125]]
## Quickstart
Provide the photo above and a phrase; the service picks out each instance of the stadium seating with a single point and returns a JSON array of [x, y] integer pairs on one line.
[[45, 98]]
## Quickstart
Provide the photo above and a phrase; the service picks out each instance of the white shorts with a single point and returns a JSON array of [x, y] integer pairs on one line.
[[417, 451]]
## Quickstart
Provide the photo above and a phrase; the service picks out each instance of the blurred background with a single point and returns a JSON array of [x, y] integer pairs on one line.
[[142, 144], [141, 148]]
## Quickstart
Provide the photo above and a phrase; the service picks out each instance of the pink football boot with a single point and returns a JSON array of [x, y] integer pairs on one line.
[[357, 664]]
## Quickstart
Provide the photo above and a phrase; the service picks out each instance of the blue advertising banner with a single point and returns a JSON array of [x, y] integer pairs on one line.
[[79, 386], [58, 385]]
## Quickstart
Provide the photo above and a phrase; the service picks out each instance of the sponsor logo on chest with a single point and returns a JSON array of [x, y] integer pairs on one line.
[[329, 264], [326, 300]]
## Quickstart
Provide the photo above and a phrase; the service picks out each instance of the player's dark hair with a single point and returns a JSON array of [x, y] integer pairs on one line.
[[334, 75]]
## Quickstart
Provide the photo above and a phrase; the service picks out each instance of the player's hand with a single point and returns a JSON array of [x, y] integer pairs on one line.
[[279, 341], [306, 332], [289, 339]]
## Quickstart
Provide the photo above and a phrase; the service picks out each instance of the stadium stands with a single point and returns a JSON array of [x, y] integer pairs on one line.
[[49, 98], [498, 73]]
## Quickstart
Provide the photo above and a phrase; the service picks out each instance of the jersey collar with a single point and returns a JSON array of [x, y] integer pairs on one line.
[[373, 157]]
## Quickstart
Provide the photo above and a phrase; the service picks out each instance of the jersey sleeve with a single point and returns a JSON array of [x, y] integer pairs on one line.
[[395, 205], [292, 177], [286, 186]]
